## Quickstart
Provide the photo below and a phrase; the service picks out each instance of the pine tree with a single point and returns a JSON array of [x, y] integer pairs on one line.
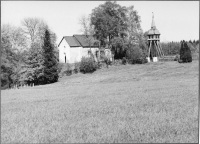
[[185, 53], [50, 62], [33, 70]]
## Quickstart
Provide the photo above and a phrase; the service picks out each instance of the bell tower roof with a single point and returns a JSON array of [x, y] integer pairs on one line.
[[153, 25], [153, 29]]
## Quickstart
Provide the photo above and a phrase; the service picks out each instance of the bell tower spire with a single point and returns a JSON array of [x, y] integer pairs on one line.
[[153, 25]]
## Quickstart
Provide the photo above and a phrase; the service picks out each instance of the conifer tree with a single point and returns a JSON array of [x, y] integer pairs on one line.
[[50, 62], [34, 66], [185, 53]]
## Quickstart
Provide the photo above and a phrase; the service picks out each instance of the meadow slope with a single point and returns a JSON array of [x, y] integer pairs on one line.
[[153, 102]]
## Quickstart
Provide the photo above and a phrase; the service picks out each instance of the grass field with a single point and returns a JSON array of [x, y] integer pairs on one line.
[[153, 102]]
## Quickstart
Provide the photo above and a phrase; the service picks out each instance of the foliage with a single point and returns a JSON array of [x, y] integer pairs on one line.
[[22, 58], [67, 72], [109, 20], [67, 69], [106, 60], [34, 65], [12, 54], [87, 65], [124, 61], [177, 57], [34, 29], [76, 67], [135, 55], [134, 30], [86, 27], [50, 62], [116, 26], [119, 45], [185, 53], [171, 48], [64, 69]]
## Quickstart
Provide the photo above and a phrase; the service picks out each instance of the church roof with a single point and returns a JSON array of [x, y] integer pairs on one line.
[[72, 41], [86, 40], [80, 41]]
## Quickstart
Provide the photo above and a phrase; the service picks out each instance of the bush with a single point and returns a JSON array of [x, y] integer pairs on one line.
[[124, 60], [185, 53], [67, 72], [60, 66], [135, 55], [76, 67], [87, 65], [117, 62], [176, 58], [106, 59]]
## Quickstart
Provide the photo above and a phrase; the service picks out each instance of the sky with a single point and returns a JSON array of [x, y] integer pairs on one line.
[[176, 20]]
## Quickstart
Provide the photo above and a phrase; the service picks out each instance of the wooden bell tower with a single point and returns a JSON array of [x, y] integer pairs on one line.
[[154, 47]]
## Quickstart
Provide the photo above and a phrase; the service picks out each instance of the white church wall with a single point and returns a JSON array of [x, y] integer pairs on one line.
[[75, 54], [64, 49]]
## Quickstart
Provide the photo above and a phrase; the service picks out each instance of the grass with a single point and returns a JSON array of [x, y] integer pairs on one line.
[[154, 102]]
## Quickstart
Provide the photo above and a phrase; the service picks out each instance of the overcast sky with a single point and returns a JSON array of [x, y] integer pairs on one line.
[[176, 20]]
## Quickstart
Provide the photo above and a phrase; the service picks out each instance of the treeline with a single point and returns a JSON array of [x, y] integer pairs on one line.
[[29, 54], [173, 48]]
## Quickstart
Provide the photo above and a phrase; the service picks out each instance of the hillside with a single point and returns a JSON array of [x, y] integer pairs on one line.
[[153, 102]]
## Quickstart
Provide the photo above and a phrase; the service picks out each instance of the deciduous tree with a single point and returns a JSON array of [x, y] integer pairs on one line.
[[109, 20]]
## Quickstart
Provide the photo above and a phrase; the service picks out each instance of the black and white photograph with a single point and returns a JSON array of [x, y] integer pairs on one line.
[[99, 72]]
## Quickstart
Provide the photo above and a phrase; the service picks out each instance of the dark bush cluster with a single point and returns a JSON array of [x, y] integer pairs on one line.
[[135, 55], [124, 61], [67, 72], [185, 53], [88, 65]]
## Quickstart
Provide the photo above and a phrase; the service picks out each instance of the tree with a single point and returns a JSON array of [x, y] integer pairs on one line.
[[50, 62], [86, 27], [134, 30], [33, 70], [109, 21], [6, 63], [13, 46], [119, 46], [185, 53], [34, 29]]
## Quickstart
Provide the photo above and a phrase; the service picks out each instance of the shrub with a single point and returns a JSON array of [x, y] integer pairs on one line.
[[176, 58], [106, 60], [185, 53], [117, 62], [76, 67], [67, 72], [99, 65], [87, 65], [124, 60], [135, 55], [60, 66]]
